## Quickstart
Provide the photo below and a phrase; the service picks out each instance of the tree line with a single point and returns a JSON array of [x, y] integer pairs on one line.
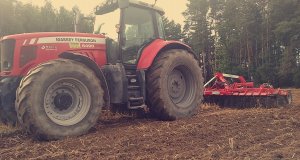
[[16, 17], [259, 39]]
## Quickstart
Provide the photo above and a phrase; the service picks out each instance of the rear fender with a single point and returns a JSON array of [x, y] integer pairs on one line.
[[92, 65], [158, 46]]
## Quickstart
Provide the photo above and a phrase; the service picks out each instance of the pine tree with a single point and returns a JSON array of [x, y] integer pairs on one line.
[[172, 30], [198, 33]]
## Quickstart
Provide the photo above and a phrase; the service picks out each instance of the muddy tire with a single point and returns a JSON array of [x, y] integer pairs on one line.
[[8, 115], [174, 85], [59, 98]]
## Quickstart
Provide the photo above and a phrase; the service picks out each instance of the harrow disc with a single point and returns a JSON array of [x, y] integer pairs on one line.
[[250, 101]]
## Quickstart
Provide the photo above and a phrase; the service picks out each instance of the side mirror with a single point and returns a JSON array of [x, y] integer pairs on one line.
[[117, 28], [123, 3], [111, 5]]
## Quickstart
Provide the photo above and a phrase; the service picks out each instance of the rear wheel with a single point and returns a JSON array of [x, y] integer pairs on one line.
[[174, 85], [59, 98]]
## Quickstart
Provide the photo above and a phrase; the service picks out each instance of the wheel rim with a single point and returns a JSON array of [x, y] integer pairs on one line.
[[181, 86], [67, 101]]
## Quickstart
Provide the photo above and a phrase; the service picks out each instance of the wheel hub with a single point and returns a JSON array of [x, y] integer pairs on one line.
[[181, 86], [176, 86], [63, 101]]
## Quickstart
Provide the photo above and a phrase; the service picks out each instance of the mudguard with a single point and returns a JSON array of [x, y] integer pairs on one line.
[[157, 46]]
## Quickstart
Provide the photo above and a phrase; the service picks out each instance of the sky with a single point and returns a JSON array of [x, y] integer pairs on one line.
[[173, 8]]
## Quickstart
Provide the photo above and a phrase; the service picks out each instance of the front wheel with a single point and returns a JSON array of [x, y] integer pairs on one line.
[[59, 98], [174, 85]]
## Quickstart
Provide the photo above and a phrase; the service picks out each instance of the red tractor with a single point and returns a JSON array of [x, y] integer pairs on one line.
[[56, 84]]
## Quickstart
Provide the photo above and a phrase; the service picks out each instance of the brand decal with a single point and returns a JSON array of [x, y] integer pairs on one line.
[[48, 47], [74, 45], [85, 40], [78, 45], [87, 45], [88, 40]]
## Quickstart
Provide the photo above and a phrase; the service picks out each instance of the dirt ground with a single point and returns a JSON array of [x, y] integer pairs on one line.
[[246, 134]]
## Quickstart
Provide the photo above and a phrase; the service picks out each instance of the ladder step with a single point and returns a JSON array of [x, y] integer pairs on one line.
[[134, 87], [137, 107], [132, 78], [131, 75], [136, 98]]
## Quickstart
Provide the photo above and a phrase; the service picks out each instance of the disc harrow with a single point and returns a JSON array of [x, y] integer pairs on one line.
[[234, 91]]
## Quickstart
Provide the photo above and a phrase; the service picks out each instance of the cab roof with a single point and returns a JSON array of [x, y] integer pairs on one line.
[[111, 5]]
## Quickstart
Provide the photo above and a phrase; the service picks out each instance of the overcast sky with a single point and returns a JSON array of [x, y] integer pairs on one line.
[[173, 8]]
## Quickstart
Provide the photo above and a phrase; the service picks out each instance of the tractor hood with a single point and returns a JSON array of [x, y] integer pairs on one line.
[[21, 52], [58, 35]]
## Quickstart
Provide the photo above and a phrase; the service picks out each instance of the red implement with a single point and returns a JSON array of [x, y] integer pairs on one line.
[[232, 90]]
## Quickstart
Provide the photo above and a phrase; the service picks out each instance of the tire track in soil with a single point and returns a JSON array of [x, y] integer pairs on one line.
[[215, 133]]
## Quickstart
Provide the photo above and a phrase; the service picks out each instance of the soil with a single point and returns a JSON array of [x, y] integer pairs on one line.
[[215, 133]]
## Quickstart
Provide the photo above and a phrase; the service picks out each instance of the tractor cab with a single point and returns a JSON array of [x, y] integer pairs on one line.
[[130, 26]]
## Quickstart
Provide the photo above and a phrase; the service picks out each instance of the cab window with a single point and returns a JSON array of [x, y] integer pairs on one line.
[[160, 26], [138, 31]]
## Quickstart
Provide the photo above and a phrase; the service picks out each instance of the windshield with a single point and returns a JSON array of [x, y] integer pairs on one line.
[[0, 53], [138, 30], [160, 26], [107, 23], [138, 26]]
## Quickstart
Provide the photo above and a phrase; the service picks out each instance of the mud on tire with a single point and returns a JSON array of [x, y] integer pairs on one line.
[[174, 85], [8, 115], [59, 98]]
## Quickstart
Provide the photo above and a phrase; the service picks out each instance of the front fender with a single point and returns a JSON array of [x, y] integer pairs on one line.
[[157, 46]]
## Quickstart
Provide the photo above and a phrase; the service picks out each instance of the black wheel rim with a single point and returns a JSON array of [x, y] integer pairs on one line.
[[181, 86]]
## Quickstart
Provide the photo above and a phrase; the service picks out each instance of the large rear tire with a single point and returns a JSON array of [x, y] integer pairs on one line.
[[174, 85], [59, 98]]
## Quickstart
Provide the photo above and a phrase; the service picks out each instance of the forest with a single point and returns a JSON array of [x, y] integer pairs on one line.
[[259, 39], [17, 17]]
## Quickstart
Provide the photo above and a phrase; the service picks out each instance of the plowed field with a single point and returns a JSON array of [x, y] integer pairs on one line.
[[215, 133]]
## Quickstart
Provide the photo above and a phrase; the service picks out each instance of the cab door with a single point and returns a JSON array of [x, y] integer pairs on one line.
[[138, 29]]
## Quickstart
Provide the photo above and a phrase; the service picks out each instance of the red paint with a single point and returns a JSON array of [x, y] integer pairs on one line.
[[97, 51], [51, 34], [52, 50], [240, 87], [150, 52]]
